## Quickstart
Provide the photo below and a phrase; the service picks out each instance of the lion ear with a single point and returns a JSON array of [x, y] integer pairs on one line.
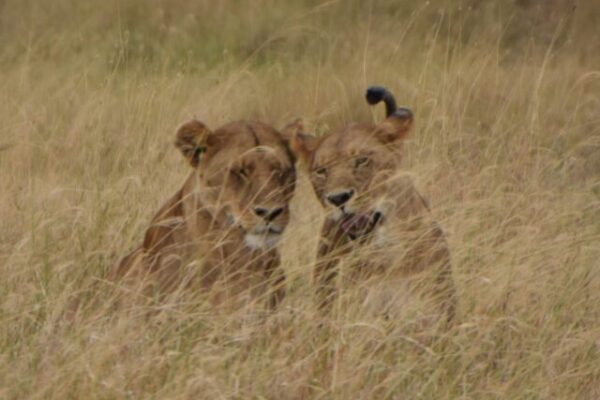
[[304, 145], [291, 129], [395, 127], [300, 143], [192, 140]]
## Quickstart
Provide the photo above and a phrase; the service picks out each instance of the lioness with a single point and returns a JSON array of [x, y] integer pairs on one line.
[[376, 219], [229, 215]]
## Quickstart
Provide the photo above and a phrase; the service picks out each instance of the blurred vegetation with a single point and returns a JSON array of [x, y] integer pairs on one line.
[[507, 147], [192, 36]]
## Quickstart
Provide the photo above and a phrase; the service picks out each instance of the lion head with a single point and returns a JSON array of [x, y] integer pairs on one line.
[[245, 174], [353, 170]]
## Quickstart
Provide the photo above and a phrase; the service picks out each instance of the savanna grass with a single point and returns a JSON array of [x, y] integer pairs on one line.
[[507, 147]]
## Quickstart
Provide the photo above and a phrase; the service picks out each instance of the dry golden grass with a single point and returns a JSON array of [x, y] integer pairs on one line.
[[507, 147]]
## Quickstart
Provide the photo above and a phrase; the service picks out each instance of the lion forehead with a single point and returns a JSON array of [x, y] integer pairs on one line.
[[346, 144], [271, 157], [242, 141]]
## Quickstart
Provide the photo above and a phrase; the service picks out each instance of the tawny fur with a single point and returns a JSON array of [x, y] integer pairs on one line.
[[200, 236], [404, 243]]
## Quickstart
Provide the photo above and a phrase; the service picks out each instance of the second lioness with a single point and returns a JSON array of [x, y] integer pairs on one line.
[[220, 230], [376, 219]]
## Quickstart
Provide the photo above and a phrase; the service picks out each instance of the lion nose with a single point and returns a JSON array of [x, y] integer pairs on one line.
[[268, 214], [340, 198]]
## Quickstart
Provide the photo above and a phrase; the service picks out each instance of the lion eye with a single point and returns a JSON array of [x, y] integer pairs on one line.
[[240, 172], [361, 161], [285, 175], [322, 172]]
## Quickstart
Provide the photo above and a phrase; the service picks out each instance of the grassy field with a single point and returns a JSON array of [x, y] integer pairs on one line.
[[507, 147]]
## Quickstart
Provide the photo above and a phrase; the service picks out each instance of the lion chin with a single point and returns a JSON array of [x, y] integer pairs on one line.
[[356, 225], [262, 241]]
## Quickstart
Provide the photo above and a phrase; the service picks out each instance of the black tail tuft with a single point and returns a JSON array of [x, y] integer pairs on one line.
[[375, 94]]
